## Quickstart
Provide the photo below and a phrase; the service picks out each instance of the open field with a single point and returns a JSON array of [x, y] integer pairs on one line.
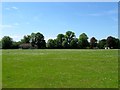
[[60, 68]]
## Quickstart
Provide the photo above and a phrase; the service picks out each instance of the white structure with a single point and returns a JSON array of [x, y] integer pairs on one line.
[[107, 47]]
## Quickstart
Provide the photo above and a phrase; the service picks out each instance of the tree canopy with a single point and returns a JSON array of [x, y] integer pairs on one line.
[[62, 41], [7, 42]]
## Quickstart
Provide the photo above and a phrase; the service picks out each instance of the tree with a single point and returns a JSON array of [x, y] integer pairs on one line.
[[74, 43], [111, 42], [15, 45], [93, 42], [26, 39], [59, 40], [7, 42], [102, 43], [37, 39], [32, 39], [50, 44], [83, 41], [57, 44], [65, 44], [116, 45], [119, 45], [80, 46], [69, 36], [0, 44]]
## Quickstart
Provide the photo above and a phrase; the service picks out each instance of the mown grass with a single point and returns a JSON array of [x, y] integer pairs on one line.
[[60, 68]]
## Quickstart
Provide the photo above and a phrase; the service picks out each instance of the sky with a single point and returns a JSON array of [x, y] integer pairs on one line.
[[96, 19]]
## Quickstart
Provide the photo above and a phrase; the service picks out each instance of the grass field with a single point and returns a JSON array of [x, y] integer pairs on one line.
[[60, 68]]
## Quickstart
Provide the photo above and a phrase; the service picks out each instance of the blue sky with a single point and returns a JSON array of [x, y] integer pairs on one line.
[[98, 19]]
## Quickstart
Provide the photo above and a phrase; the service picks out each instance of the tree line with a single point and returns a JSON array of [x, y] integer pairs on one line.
[[62, 41]]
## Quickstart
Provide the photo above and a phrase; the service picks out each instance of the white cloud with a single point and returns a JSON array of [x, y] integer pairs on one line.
[[7, 8], [95, 14], [16, 24], [109, 12], [15, 8], [6, 26], [17, 37], [11, 8], [48, 37]]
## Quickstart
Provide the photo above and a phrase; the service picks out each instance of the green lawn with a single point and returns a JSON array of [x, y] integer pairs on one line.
[[60, 68]]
